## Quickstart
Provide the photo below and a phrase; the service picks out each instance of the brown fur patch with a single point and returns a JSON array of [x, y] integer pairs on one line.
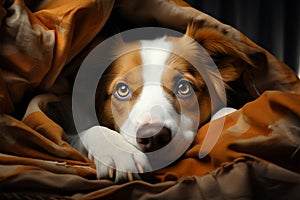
[[112, 112]]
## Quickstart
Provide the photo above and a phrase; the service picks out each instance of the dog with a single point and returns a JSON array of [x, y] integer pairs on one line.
[[150, 94]]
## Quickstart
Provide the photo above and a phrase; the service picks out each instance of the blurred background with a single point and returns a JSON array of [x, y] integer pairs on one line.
[[272, 24]]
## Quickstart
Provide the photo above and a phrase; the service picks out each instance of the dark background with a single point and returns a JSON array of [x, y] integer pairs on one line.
[[274, 25]]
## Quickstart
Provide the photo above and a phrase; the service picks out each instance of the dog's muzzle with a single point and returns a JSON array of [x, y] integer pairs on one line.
[[151, 137]]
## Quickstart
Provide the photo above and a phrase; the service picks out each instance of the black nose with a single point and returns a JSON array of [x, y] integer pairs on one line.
[[151, 137]]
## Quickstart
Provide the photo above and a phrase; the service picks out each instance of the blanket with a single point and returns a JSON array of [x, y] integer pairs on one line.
[[43, 43]]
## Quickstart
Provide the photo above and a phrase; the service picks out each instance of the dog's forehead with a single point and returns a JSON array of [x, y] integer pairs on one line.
[[155, 55], [127, 58], [145, 57], [153, 60]]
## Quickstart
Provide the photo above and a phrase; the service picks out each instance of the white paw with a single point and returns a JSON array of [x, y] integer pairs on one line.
[[113, 156]]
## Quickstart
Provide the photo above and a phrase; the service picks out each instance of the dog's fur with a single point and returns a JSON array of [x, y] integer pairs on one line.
[[154, 102]]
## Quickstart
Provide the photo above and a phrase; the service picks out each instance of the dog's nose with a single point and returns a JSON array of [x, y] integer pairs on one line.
[[151, 137]]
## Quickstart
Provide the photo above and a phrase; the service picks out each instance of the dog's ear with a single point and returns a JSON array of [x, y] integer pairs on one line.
[[232, 57]]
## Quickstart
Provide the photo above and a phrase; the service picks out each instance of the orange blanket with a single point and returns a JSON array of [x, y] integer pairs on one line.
[[41, 46]]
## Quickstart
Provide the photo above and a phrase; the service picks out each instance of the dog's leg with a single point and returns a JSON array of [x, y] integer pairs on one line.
[[112, 155]]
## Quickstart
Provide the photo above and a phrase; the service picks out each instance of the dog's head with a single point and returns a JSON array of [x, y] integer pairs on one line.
[[149, 94]]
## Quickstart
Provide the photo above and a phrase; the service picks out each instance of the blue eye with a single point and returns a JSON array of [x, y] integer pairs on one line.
[[184, 88], [122, 91]]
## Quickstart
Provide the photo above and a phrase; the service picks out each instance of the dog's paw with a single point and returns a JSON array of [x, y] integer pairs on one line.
[[114, 157]]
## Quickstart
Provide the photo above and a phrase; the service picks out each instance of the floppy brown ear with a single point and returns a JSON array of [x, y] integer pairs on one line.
[[231, 56]]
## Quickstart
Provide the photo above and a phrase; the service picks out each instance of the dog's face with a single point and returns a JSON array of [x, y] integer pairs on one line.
[[150, 94]]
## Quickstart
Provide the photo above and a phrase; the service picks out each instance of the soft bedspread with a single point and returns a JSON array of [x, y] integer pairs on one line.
[[41, 45]]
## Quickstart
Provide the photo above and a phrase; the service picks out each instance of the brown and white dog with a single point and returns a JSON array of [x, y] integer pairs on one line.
[[149, 95]]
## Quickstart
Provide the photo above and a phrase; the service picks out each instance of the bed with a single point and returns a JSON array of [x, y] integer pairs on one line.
[[43, 43]]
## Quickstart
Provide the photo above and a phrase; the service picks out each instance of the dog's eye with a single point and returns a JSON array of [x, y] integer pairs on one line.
[[184, 88], [122, 91]]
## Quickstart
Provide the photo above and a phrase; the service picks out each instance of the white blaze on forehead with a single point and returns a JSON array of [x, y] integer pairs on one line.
[[152, 105], [154, 54]]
